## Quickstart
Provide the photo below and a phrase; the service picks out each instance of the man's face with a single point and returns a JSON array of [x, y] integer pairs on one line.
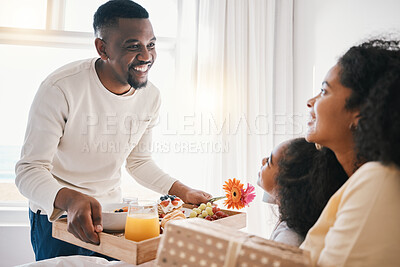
[[130, 48]]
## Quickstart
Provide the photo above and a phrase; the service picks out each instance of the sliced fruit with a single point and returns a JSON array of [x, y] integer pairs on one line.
[[164, 203]]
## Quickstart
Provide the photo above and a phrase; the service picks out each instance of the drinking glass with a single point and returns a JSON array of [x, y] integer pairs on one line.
[[128, 200], [142, 221]]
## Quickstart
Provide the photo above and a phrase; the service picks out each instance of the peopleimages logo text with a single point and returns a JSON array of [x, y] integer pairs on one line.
[[195, 124]]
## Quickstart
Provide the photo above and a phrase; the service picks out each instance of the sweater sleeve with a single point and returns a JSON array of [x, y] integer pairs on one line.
[[141, 166], [46, 121]]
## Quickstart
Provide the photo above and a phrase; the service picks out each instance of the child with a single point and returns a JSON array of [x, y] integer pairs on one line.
[[300, 179]]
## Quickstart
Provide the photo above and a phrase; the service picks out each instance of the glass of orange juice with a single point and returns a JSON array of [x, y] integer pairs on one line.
[[142, 221]]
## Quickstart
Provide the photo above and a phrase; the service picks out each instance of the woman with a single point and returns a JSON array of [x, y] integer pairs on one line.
[[357, 116], [300, 179]]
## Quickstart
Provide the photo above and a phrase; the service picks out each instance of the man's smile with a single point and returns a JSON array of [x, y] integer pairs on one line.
[[142, 68]]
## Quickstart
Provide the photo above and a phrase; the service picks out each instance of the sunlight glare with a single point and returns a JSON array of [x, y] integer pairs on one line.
[[23, 14], [206, 101]]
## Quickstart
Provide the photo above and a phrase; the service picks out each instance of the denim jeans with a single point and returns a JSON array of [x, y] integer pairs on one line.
[[46, 247]]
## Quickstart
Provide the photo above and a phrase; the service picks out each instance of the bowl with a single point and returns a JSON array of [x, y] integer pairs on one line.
[[113, 221]]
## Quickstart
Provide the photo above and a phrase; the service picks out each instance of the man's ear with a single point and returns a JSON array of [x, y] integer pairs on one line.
[[101, 48]]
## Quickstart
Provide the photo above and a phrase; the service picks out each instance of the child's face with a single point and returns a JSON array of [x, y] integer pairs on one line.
[[269, 169]]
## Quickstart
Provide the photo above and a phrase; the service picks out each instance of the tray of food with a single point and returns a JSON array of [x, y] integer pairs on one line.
[[114, 244]]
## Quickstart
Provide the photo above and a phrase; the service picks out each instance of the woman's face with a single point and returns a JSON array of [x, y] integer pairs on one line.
[[269, 169], [330, 123]]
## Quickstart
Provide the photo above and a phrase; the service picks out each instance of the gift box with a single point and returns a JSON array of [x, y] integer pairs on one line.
[[198, 242]]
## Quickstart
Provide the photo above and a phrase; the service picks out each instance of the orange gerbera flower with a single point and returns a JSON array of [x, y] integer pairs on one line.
[[233, 189]]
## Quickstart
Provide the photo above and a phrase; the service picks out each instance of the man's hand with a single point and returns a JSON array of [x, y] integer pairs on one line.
[[83, 214], [189, 195], [195, 196]]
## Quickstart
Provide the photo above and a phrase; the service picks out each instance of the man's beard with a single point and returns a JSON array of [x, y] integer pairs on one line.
[[135, 84]]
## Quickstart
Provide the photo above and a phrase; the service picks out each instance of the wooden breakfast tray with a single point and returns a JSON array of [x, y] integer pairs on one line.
[[116, 246]]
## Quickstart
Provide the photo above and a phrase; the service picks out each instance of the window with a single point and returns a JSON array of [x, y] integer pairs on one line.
[[20, 14], [83, 10], [34, 41], [163, 15]]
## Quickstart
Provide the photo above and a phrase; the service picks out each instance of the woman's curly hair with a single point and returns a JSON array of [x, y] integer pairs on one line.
[[306, 180], [372, 71]]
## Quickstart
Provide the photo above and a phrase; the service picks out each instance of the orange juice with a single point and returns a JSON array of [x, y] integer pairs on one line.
[[141, 226]]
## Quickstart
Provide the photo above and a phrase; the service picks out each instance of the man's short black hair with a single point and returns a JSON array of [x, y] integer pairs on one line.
[[108, 13]]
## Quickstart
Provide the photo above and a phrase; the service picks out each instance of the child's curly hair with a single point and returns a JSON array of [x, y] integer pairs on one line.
[[306, 179]]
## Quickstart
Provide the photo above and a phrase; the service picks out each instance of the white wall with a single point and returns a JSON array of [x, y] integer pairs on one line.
[[325, 29], [15, 246], [304, 58]]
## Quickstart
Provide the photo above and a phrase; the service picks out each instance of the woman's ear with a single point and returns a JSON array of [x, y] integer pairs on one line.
[[356, 117], [101, 48]]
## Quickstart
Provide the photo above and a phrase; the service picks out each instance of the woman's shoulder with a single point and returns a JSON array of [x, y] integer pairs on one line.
[[373, 179], [374, 170]]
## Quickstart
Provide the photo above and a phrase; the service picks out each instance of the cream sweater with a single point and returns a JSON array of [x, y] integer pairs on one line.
[[79, 134], [360, 226]]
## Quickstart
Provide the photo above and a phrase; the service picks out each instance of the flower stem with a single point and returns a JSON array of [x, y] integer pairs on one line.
[[216, 199]]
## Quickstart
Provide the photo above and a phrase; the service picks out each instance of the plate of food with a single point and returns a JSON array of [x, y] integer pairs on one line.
[[171, 207]]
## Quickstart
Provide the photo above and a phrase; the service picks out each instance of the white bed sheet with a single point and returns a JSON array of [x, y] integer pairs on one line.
[[83, 261]]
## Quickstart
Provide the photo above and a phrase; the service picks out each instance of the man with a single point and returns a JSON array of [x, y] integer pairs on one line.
[[87, 118]]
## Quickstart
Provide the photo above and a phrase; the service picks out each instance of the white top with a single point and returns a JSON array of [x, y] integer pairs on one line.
[[286, 235], [79, 134], [360, 226]]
